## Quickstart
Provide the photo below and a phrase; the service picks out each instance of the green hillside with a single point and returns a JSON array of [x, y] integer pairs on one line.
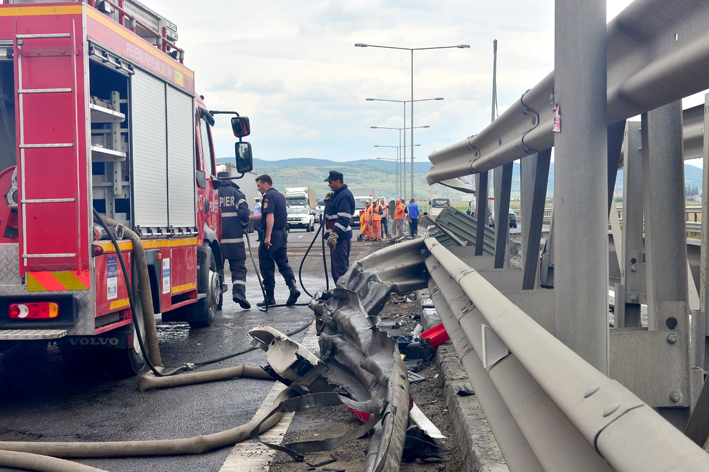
[[306, 172], [383, 180]]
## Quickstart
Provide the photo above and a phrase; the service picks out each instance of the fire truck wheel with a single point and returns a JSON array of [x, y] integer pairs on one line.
[[125, 363], [205, 310]]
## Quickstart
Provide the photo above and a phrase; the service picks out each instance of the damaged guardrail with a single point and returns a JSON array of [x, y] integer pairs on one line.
[[463, 229], [548, 408], [356, 358], [572, 416]]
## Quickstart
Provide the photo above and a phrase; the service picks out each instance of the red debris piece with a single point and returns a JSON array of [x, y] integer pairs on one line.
[[364, 417], [435, 336]]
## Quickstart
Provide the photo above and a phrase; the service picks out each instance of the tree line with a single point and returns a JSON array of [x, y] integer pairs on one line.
[[690, 190]]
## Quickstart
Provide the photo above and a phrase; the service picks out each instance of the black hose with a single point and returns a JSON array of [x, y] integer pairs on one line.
[[187, 367], [257, 270], [302, 262], [130, 296], [324, 259], [229, 356]]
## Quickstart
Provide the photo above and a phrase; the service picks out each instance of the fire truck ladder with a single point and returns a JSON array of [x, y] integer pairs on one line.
[[24, 201]]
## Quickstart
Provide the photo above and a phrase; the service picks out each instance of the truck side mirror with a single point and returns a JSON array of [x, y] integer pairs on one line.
[[241, 126], [244, 159]]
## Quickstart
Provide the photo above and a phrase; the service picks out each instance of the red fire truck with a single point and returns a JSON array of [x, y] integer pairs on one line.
[[97, 111]]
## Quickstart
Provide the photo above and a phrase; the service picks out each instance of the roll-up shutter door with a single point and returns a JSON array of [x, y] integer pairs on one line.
[[180, 162], [149, 157]]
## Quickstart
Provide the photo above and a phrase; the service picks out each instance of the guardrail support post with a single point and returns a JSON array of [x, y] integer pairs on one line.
[[581, 176], [628, 294], [665, 244], [700, 353], [481, 181], [503, 190], [527, 168], [665, 234], [534, 187], [698, 425]]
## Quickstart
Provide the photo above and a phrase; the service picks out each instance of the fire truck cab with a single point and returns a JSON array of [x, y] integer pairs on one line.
[[97, 111]]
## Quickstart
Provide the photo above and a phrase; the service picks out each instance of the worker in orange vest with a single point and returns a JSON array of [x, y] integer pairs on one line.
[[399, 218], [366, 221], [376, 220], [369, 214]]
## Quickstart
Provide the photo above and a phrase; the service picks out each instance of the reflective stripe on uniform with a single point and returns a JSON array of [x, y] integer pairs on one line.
[[229, 214], [345, 215], [240, 202], [239, 282], [332, 217], [233, 240], [342, 227]]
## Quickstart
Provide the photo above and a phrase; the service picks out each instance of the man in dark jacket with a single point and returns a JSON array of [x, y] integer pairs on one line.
[[235, 216], [339, 211], [273, 250]]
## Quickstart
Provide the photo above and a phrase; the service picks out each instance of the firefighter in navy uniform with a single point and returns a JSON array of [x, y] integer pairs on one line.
[[273, 249], [235, 216], [339, 211]]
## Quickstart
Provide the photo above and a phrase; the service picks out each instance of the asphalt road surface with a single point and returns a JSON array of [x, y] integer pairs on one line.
[[45, 397]]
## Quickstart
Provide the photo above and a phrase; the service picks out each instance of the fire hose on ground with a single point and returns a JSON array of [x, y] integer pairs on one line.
[[46, 456]]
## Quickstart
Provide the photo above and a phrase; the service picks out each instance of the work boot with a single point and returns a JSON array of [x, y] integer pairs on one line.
[[238, 295], [294, 293], [270, 299]]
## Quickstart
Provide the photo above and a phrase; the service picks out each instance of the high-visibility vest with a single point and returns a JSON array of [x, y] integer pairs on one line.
[[377, 212], [399, 212], [368, 214]]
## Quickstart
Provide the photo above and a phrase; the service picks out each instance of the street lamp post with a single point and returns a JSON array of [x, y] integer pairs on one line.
[[412, 134], [364, 45], [400, 183]]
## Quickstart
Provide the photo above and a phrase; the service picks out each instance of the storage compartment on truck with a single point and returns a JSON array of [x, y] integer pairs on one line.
[[142, 148], [110, 137]]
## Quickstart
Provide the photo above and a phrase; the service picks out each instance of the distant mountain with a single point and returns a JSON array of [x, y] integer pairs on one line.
[[419, 167], [303, 171]]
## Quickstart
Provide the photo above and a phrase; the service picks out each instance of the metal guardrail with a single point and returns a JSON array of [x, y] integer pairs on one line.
[[598, 423], [549, 397], [549, 409], [692, 218], [462, 228], [645, 71]]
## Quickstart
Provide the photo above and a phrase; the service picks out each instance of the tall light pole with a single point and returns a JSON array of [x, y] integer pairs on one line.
[[412, 134], [399, 183], [364, 45]]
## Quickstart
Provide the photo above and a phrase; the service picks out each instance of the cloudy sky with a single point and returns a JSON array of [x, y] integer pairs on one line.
[[293, 69]]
